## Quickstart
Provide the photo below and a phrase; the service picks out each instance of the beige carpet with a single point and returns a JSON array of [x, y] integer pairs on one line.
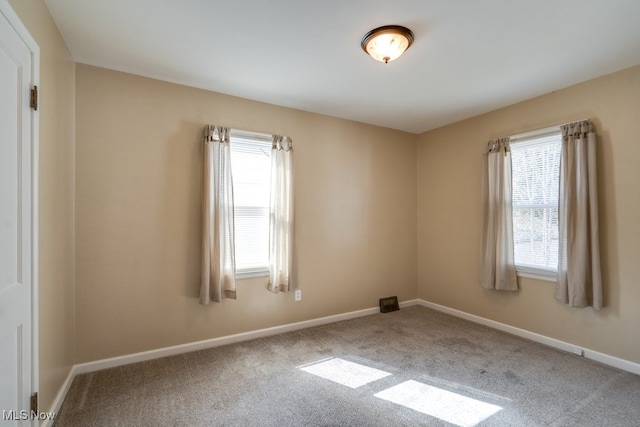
[[413, 367]]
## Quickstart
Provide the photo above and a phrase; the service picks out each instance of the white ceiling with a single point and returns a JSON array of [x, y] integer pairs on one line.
[[469, 56]]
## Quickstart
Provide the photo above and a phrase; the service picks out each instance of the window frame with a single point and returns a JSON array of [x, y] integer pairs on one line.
[[256, 137], [528, 271]]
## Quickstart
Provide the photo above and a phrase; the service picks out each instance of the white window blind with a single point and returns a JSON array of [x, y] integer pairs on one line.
[[536, 178], [251, 168]]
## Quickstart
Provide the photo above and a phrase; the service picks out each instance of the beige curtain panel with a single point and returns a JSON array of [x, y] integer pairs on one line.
[[218, 244], [498, 266], [579, 273], [283, 274]]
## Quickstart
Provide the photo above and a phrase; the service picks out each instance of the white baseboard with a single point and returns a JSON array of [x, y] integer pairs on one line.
[[616, 362], [409, 303], [113, 362], [62, 393], [606, 359], [231, 339]]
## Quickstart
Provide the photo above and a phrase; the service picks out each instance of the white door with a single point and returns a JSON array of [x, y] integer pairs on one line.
[[16, 221]]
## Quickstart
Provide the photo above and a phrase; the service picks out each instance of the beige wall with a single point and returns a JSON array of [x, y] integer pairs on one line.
[[138, 175], [450, 217], [136, 219], [56, 199]]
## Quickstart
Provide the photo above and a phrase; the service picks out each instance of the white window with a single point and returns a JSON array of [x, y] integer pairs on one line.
[[251, 169], [535, 160]]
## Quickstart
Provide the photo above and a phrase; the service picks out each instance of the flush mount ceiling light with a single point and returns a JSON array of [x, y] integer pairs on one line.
[[386, 43]]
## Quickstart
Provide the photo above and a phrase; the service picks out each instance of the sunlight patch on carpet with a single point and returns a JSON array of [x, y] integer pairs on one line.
[[445, 405], [344, 372]]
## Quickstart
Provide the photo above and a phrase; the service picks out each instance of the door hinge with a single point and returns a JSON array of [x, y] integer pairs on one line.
[[34, 98], [34, 402]]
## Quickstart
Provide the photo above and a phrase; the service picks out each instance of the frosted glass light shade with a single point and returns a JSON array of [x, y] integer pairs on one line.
[[387, 43]]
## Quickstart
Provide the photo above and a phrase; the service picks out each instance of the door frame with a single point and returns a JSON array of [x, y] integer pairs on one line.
[[29, 41]]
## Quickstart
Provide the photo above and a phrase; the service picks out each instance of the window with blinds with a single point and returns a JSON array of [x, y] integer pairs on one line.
[[535, 160], [251, 166]]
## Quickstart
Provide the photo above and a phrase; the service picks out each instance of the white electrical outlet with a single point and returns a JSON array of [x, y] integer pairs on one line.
[[298, 294]]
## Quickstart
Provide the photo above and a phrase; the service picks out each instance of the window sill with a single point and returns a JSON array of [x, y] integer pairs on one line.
[[252, 273], [537, 274]]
